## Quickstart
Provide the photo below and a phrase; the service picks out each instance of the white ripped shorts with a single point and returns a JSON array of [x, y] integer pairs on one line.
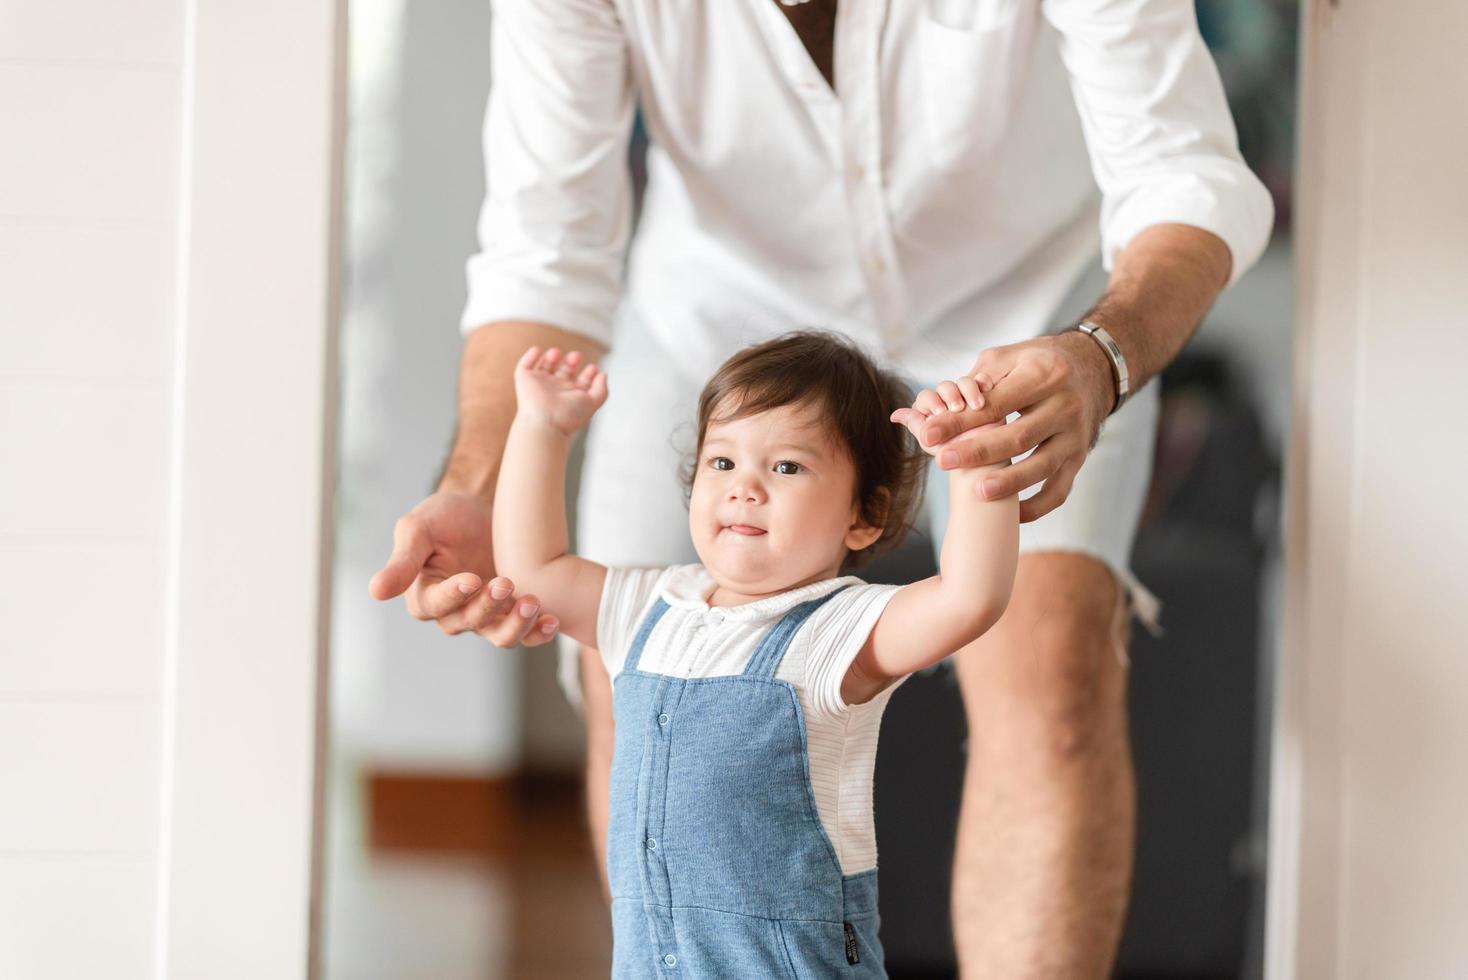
[[631, 509]]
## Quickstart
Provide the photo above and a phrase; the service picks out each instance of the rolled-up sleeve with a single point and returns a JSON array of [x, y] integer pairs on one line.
[[554, 225], [1157, 125]]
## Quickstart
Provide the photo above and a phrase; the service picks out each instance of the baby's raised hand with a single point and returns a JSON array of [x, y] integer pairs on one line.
[[962, 395], [558, 390]]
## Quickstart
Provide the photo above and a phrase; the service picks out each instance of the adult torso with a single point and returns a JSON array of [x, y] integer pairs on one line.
[[927, 191]]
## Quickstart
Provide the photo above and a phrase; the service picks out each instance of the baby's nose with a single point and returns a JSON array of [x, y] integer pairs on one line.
[[749, 492]]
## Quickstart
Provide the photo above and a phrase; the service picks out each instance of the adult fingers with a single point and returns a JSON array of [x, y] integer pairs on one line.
[[497, 615], [996, 362], [1056, 489], [435, 600], [1037, 466], [515, 624], [541, 632], [485, 607], [990, 443], [412, 545]]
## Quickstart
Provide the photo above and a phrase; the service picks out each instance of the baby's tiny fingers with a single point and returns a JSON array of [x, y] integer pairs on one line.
[[906, 416], [528, 359], [569, 364], [910, 419], [928, 402], [972, 396], [985, 382], [598, 389], [549, 358], [952, 397], [584, 379]]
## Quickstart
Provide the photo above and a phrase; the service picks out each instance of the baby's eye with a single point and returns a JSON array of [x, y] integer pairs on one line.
[[788, 467], [721, 462]]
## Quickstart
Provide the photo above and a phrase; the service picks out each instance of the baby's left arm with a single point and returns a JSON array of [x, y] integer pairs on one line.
[[930, 619]]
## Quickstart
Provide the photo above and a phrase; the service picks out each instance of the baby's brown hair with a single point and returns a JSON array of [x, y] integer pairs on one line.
[[855, 398]]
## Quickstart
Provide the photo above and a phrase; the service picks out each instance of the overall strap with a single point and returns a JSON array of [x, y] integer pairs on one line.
[[772, 648], [634, 653]]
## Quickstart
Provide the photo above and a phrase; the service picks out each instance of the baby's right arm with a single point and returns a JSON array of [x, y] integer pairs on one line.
[[554, 399]]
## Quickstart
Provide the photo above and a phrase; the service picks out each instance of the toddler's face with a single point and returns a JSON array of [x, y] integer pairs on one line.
[[773, 502]]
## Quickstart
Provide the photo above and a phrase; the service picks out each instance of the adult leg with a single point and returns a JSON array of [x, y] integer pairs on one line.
[[601, 735], [1043, 862], [1042, 867]]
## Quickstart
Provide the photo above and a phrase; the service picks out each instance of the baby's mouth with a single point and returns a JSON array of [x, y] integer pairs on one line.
[[749, 530]]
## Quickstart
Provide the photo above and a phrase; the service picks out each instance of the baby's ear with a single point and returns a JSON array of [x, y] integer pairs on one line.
[[862, 534]]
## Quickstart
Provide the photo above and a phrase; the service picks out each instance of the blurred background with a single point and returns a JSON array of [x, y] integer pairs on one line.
[[455, 843]]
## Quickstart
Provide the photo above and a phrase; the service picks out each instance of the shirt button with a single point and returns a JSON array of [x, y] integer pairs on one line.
[[663, 719], [670, 960], [652, 843]]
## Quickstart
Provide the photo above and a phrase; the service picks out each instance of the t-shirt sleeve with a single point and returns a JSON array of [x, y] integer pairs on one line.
[[835, 634], [624, 600]]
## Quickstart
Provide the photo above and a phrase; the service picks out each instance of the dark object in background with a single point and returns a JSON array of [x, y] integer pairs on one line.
[[1193, 712]]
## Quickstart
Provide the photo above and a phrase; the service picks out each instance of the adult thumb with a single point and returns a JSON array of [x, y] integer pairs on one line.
[[411, 548]]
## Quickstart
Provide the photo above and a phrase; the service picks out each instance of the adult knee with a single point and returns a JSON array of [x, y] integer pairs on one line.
[[1048, 687]]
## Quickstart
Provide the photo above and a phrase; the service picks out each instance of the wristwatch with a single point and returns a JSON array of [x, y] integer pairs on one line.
[[1113, 354]]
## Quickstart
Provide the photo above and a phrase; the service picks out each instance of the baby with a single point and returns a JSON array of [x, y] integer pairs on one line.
[[748, 689]]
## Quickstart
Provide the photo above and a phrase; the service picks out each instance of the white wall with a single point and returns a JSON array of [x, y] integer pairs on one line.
[[1369, 876], [168, 186], [90, 110]]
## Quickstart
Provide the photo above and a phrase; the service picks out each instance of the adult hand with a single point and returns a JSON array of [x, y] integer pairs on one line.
[[443, 560], [1062, 388]]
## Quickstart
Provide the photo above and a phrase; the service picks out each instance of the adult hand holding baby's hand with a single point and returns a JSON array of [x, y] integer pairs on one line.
[[443, 564], [963, 395], [558, 390]]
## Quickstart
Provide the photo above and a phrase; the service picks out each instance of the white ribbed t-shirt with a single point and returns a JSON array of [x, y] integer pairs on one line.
[[694, 640]]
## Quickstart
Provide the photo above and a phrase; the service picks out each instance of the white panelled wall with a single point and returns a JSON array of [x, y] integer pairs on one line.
[[91, 98], [168, 180]]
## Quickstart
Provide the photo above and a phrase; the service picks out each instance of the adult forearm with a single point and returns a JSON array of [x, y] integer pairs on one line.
[[1161, 285], [487, 398]]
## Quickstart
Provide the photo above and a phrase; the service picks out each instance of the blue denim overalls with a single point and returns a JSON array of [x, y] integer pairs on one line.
[[718, 863]]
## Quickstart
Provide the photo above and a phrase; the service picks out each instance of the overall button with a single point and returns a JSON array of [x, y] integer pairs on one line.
[[663, 720], [670, 960], [652, 843]]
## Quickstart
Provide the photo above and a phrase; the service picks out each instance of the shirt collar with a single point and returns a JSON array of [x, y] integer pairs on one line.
[[689, 586]]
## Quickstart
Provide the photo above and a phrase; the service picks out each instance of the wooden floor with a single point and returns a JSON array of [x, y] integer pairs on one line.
[[530, 906]]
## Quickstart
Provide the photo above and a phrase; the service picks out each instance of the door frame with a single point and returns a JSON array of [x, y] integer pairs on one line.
[[253, 465]]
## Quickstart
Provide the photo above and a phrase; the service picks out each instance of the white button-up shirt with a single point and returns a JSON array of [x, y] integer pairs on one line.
[[942, 200]]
